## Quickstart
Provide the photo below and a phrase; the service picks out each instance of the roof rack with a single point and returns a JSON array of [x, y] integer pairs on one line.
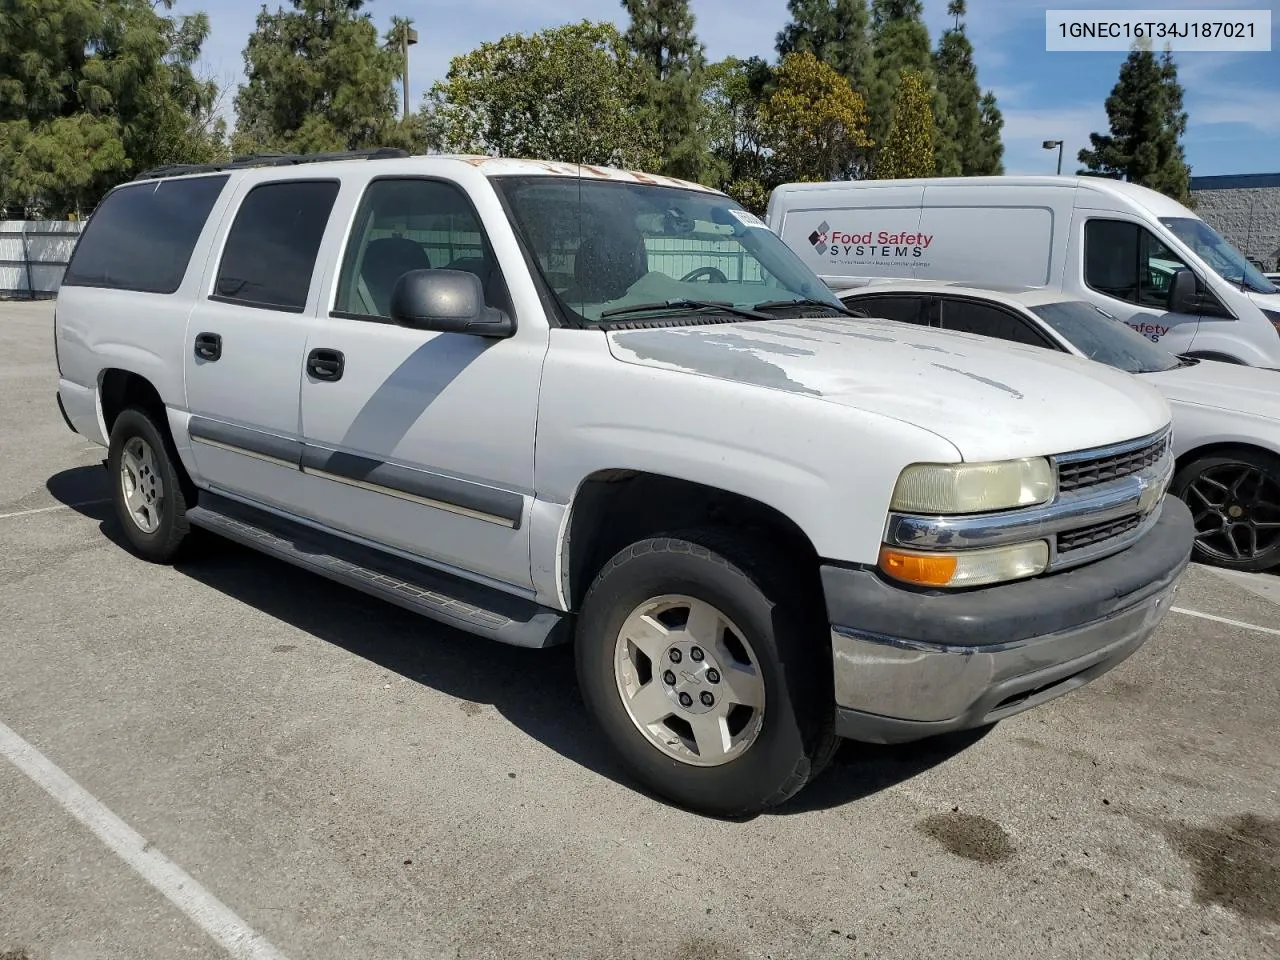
[[270, 160]]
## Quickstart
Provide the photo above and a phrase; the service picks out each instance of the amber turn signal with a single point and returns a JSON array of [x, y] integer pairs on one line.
[[926, 570]]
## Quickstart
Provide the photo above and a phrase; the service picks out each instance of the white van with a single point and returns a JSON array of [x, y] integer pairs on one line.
[[1113, 243]]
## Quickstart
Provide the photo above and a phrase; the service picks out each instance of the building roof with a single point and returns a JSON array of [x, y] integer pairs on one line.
[[1236, 181]]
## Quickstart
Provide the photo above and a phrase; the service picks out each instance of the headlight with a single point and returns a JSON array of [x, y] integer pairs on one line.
[[973, 487], [967, 568], [1274, 317]]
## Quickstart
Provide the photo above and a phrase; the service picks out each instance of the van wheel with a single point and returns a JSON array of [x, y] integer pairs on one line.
[[712, 683], [145, 486], [1234, 498]]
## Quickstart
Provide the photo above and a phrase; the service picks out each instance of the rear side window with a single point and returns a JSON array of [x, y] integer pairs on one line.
[[141, 236], [987, 320], [903, 309], [271, 249]]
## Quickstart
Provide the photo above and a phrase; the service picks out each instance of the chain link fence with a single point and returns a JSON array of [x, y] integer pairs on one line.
[[33, 256]]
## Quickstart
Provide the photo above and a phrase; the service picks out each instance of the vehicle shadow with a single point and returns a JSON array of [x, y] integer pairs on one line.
[[535, 690]]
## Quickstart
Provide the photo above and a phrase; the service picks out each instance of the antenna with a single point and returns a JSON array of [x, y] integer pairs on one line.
[[577, 120]]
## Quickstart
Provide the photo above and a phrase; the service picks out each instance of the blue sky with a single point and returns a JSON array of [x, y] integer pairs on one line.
[[1233, 98]]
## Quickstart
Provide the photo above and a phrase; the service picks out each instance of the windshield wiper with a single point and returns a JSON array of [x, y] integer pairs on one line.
[[807, 302], [680, 303]]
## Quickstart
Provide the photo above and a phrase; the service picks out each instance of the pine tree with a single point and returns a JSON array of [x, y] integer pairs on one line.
[[661, 34], [908, 150], [318, 79], [1147, 122], [900, 42], [989, 161], [834, 31], [960, 121]]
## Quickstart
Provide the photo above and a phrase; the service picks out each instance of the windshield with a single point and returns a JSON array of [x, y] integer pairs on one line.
[[1224, 259], [1100, 336], [616, 251]]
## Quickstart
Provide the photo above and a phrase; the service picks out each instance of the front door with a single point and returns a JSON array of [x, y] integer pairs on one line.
[[1127, 270], [246, 339], [424, 441]]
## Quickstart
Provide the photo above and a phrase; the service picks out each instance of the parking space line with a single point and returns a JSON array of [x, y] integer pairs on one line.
[[181, 889], [1232, 623], [56, 506]]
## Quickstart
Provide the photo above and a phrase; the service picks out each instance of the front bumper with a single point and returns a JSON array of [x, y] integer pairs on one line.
[[911, 664]]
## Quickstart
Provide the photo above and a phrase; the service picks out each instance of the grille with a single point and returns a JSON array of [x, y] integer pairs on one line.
[[1078, 474], [1070, 540]]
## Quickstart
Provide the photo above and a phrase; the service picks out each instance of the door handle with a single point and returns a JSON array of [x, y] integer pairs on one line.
[[324, 364], [208, 346]]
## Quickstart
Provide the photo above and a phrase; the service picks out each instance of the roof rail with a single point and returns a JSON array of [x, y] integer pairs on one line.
[[270, 160]]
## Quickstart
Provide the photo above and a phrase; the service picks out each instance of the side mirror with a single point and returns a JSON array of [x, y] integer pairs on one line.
[[1184, 294], [446, 301]]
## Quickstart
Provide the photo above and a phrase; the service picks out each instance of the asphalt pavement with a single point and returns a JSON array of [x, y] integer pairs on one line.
[[234, 758]]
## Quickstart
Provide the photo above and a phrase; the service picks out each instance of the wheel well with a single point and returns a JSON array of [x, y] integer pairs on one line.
[[1217, 449], [614, 508], [120, 389]]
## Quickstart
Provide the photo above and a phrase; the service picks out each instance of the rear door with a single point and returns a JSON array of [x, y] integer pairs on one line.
[[986, 235], [246, 340]]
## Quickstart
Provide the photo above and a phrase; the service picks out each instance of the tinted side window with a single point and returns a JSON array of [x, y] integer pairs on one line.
[[271, 250], [904, 309], [412, 224], [986, 320], [141, 236], [1156, 266], [1128, 262]]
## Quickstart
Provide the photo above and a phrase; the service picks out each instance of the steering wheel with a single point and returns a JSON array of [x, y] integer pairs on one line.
[[713, 274]]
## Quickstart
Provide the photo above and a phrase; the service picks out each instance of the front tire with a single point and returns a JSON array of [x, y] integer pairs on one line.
[[712, 683], [1234, 498], [145, 486]]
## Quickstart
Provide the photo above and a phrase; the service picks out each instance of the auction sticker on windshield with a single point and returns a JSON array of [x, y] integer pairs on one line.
[[747, 218]]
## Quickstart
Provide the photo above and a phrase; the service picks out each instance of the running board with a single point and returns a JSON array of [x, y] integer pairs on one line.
[[442, 597]]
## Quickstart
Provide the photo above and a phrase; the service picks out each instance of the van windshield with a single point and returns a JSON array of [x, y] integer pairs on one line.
[[1224, 259], [1101, 337], [618, 251]]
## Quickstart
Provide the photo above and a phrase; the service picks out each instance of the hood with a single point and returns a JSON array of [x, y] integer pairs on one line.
[[1267, 301], [1222, 386], [992, 400]]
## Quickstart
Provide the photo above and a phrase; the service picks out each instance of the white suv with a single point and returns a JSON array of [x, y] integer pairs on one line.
[[542, 402]]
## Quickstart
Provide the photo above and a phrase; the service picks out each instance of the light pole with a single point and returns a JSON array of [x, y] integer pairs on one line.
[[405, 36], [1049, 145]]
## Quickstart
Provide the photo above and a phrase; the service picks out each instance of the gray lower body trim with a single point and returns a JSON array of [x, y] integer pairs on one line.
[[432, 489], [63, 410], [253, 443], [463, 497], [450, 600]]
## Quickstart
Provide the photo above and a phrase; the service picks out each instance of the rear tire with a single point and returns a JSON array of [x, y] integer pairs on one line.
[[146, 487], [740, 637], [1234, 498]]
